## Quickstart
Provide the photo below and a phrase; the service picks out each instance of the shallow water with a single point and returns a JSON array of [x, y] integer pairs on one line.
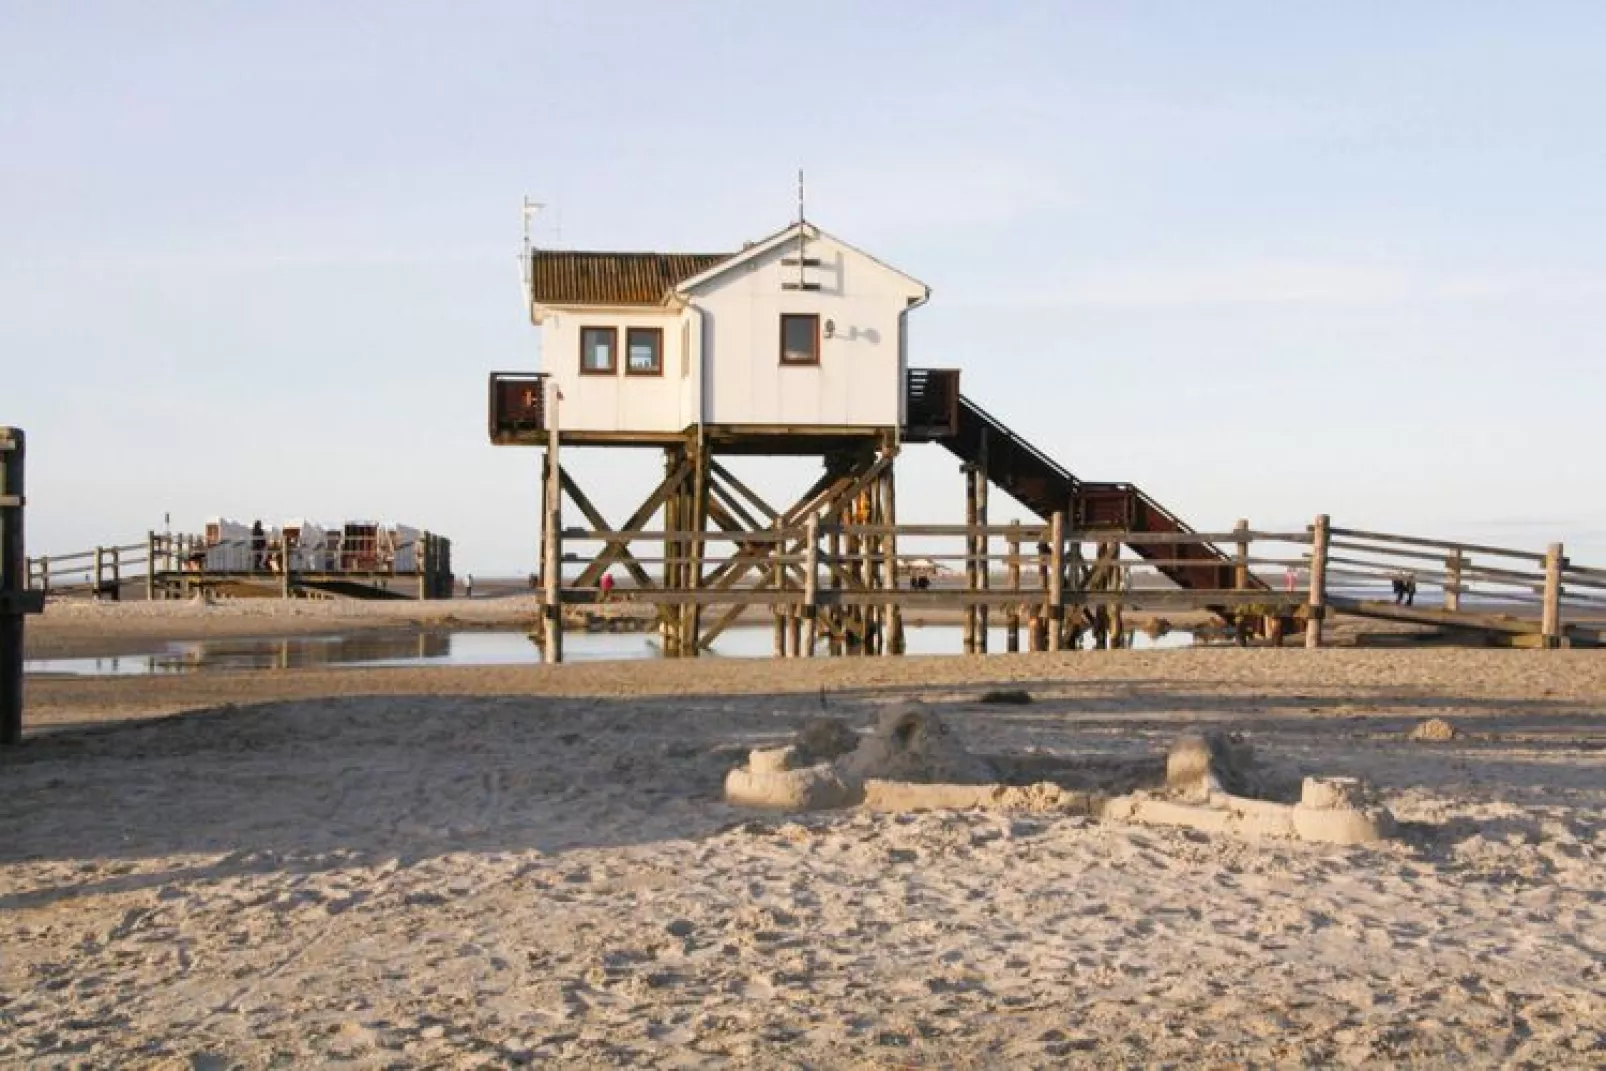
[[468, 648]]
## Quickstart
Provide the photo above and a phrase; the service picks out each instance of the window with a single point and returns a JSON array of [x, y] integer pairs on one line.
[[644, 351], [800, 339], [597, 346]]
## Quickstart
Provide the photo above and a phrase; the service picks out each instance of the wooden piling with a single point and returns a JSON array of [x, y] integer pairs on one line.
[[1012, 620], [1452, 581], [1550, 622], [983, 559], [552, 531], [13, 583], [1240, 572], [971, 616], [1056, 581], [811, 585], [1317, 602], [150, 566], [892, 633]]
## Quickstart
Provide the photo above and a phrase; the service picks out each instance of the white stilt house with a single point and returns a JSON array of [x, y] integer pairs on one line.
[[798, 331]]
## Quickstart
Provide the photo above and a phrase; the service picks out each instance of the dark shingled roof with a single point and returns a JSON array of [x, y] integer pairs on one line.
[[573, 277]]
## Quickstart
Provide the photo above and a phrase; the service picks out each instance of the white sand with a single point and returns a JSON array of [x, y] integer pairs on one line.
[[466, 868]]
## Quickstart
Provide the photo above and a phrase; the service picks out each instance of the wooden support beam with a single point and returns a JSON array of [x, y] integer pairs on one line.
[[618, 543], [13, 584], [1550, 616], [1317, 602], [552, 536], [1056, 581], [599, 523], [1012, 620]]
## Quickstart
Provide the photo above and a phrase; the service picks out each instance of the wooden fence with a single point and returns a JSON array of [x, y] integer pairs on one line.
[[826, 582]]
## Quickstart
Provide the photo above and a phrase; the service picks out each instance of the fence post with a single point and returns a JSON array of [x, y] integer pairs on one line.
[[1240, 574], [1550, 624], [150, 566], [1318, 581], [1452, 582], [1056, 582]]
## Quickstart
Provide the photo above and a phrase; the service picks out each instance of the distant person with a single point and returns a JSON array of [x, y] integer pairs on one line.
[[1410, 589], [259, 548], [607, 586], [1397, 582], [468, 586], [1290, 579]]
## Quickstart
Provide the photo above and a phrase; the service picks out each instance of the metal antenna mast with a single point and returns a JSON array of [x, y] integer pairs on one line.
[[531, 210]]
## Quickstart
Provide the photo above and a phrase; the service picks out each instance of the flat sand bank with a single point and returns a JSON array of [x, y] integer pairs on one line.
[[469, 867]]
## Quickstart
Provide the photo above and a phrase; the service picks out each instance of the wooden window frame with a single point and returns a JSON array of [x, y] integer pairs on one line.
[[815, 363], [658, 369], [613, 352]]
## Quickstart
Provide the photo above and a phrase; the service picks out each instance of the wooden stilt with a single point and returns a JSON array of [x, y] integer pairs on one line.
[[1550, 615], [1317, 603], [983, 561], [971, 615], [1056, 581], [552, 527], [893, 640], [1012, 620]]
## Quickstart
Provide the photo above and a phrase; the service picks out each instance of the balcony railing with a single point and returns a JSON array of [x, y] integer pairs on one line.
[[517, 406], [932, 402]]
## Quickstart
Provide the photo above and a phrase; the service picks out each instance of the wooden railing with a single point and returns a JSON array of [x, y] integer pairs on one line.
[[517, 406], [169, 563]]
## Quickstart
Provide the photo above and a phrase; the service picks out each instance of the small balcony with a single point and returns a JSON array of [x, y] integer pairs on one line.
[[931, 404], [517, 407]]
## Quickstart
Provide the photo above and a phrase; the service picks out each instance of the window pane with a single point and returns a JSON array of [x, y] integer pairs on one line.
[[596, 349], [642, 350], [800, 339]]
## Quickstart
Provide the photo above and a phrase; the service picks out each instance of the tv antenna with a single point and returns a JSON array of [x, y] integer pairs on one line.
[[802, 259]]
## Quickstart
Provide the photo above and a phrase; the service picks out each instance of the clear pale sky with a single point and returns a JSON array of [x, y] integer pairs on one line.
[[1265, 260]]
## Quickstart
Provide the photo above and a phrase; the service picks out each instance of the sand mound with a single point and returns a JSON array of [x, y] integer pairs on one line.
[[1434, 731], [912, 744]]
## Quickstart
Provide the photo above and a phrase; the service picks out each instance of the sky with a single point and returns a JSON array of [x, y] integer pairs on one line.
[[1264, 260]]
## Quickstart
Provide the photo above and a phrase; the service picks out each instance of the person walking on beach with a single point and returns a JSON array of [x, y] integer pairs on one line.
[[468, 586], [607, 586]]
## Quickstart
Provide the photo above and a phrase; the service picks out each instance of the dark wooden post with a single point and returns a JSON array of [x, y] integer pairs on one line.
[[811, 585], [15, 598], [552, 530], [1012, 620], [983, 561], [1317, 603], [1056, 582], [1550, 622], [971, 474], [150, 566], [892, 637], [778, 581]]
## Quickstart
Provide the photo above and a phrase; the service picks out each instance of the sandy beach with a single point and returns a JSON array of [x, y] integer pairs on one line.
[[464, 867]]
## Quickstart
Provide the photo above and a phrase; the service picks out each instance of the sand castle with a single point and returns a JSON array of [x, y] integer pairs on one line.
[[910, 761]]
